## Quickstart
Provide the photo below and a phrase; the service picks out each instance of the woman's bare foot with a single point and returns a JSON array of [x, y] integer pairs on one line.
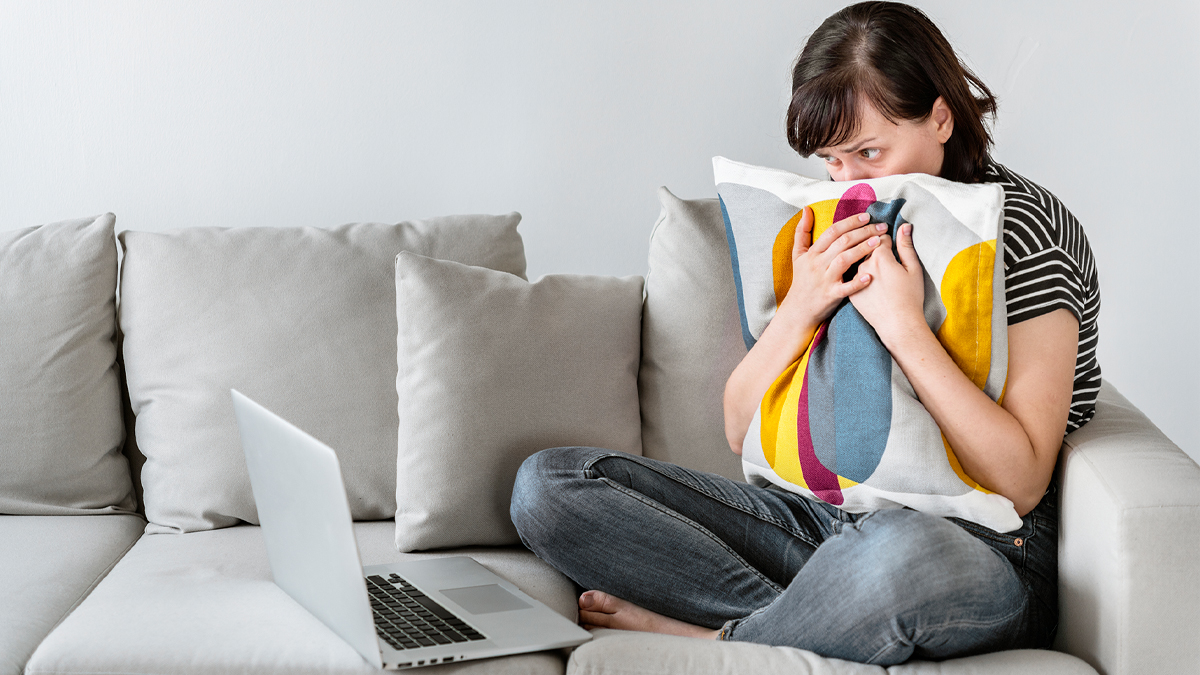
[[601, 610]]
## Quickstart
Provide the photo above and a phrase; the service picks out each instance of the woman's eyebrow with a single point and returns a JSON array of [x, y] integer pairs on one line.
[[861, 144]]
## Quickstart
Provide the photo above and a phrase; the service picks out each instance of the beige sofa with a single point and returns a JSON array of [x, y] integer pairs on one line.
[[88, 586]]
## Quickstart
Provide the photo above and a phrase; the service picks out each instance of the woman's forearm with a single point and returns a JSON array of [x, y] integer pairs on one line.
[[781, 343], [991, 444]]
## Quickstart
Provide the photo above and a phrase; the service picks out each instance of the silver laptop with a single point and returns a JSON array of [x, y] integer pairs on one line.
[[399, 615]]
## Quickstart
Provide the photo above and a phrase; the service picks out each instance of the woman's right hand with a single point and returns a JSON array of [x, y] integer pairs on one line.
[[816, 291], [818, 267]]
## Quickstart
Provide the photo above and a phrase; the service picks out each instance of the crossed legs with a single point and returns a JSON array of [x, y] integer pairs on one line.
[[671, 550]]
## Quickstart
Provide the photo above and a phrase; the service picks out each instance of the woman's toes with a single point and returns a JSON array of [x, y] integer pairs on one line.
[[587, 600], [598, 609], [599, 601]]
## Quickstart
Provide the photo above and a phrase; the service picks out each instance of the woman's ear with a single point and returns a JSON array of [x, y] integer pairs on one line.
[[942, 120]]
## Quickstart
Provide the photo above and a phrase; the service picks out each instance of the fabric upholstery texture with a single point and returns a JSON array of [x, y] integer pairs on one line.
[[1128, 551], [60, 403], [204, 602], [492, 369], [615, 652], [691, 338], [843, 424], [48, 564], [301, 320]]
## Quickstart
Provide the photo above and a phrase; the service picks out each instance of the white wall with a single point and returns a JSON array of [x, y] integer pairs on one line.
[[318, 113]]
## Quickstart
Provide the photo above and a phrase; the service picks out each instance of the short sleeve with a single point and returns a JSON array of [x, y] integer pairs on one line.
[[1048, 265]]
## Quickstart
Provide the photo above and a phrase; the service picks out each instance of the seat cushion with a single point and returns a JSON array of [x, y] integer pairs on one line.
[[615, 652], [60, 403], [48, 564], [204, 603]]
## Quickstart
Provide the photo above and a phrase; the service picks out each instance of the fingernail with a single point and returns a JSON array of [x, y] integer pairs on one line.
[[585, 601], [881, 227], [873, 241], [907, 228], [862, 217], [864, 278]]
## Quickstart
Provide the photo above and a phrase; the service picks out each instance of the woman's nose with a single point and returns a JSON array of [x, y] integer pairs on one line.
[[852, 172]]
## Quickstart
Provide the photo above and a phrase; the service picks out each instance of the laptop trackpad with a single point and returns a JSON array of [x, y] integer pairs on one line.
[[485, 599]]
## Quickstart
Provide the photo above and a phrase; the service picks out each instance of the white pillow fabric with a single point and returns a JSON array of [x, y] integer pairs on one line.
[[60, 404], [301, 320], [492, 369]]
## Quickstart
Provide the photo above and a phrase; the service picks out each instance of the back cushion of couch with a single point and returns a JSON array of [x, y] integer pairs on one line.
[[60, 407], [691, 338], [302, 320]]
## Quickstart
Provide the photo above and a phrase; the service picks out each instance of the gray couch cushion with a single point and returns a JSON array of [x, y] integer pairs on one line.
[[302, 320], [1022, 661], [615, 652], [492, 369], [60, 407], [691, 338], [48, 564], [204, 603]]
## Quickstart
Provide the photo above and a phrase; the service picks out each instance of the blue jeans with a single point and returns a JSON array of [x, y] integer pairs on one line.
[[776, 568]]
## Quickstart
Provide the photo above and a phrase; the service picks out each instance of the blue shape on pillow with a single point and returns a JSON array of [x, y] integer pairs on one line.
[[862, 396], [747, 337], [849, 383], [822, 409]]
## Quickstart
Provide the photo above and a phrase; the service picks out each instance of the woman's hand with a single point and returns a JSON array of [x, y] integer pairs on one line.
[[818, 267], [816, 291], [893, 301]]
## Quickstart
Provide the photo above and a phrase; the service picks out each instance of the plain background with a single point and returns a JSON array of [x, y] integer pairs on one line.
[[318, 113]]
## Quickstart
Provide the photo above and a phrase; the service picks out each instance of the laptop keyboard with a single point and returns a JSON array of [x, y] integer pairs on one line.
[[408, 619]]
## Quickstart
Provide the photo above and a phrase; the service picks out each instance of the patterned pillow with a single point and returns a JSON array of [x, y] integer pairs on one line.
[[842, 424]]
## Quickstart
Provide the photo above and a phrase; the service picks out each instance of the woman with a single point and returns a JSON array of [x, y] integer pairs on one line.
[[877, 91]]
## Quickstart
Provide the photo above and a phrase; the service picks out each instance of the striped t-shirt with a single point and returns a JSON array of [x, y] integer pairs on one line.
[[1048, 265]]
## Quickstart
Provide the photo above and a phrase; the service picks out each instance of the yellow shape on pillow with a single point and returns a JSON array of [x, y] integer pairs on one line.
[[967, 295], [779, 440], [823, 212], [781, 258], [967, 331]]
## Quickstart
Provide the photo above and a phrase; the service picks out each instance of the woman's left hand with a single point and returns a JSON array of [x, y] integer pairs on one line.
[[894, 300]]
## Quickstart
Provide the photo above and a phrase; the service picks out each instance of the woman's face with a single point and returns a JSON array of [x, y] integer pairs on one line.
[[885, 148]]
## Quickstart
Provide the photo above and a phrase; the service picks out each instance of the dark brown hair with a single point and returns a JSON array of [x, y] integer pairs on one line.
[[893, 56]]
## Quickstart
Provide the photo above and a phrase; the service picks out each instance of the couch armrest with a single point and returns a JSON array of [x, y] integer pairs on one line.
[[1129, 545]]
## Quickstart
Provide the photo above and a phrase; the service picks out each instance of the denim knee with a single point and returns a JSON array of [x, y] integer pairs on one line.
[[528, 492], [892, 584], [909, 561], [540, 490]]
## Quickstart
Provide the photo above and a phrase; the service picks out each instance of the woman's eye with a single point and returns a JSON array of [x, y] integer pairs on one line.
[[829, 160], [870, 153]]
